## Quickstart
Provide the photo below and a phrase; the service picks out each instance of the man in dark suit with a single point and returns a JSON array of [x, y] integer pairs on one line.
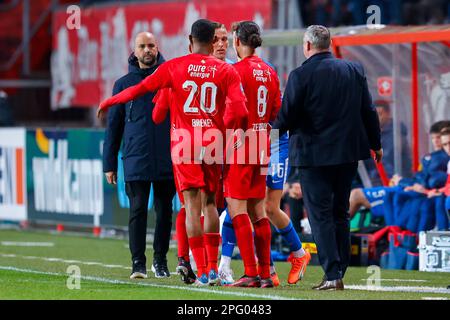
[[328, 111], [146, 160]]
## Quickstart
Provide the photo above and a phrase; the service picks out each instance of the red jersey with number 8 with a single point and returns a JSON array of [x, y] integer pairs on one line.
[[262, 90]]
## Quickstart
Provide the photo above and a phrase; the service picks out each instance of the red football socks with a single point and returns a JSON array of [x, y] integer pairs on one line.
[[202, 222], [244, 238], [212, 241], [198, 250], [262, 244]]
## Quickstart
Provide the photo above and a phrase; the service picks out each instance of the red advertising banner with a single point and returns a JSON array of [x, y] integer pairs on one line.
[[86, 61]]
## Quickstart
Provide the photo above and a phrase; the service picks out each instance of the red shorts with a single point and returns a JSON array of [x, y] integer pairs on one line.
[[202, 176], [177, 187], [244, 181]]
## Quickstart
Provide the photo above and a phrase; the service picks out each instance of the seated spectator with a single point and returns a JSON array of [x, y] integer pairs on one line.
[[432, 175], [414, 208], [442, 196], [446, 147]]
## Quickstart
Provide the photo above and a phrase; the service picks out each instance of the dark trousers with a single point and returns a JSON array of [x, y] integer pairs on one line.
[[296, 210], [326, 194], [138, 192]]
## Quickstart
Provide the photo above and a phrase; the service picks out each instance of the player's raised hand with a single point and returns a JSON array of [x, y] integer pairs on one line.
[[101, 113], [378, 155]]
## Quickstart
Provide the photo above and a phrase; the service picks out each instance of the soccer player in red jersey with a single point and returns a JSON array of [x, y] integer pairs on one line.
[[245, 184], [162, 102], [207, 95]]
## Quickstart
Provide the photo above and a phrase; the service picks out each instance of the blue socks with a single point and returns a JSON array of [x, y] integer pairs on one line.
[[291, 237], [228, 237]]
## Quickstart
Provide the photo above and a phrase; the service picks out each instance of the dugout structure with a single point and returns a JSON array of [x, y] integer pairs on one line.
[[409, 66]]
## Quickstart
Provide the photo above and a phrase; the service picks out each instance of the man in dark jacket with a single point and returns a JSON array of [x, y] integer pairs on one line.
[[328, 111], [146, 158]]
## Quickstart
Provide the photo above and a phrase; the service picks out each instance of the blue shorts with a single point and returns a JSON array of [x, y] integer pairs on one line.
[[279, 163], [375, 196]]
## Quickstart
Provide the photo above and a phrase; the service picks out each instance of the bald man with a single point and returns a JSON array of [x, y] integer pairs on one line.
[[146, 160]]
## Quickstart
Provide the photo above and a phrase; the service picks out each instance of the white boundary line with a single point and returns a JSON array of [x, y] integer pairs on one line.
[[399, 289], [87, 263], [26, 244], [146, 284], [416, 289], [50, 259], [400, 280]]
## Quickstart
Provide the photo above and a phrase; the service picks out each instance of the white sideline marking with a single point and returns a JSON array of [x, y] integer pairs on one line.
[[400, 280], [351, 287], [26, 244], [399, 289], [150, 247], [88, 263], [434, 298], [28, 257], [113, 266], [93, 263], [49, 259], [146, 284]]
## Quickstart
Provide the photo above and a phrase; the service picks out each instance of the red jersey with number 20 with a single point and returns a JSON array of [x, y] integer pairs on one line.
[[206, 93]]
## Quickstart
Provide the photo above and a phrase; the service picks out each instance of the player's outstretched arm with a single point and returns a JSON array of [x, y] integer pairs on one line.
[[162, 105], [124, 96], [159, 79]]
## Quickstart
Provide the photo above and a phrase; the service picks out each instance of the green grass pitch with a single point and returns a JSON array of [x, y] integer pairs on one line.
[[41, 272]]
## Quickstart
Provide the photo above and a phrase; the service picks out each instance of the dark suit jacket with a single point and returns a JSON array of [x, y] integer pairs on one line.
[[328, 111], [146, 146]]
